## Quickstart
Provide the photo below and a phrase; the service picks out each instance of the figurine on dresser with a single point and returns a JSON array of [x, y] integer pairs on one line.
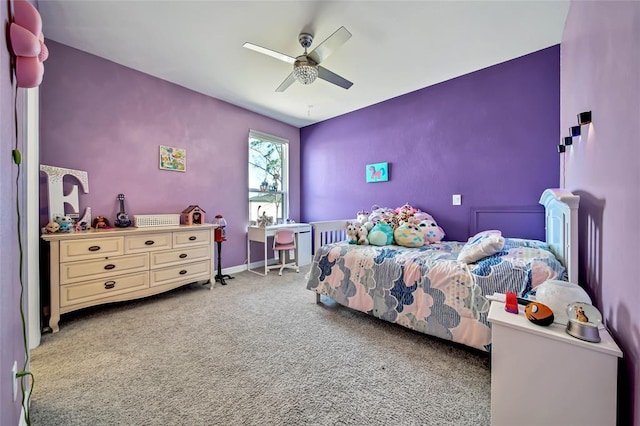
[[65, 222], [101, 222], [51, 228]]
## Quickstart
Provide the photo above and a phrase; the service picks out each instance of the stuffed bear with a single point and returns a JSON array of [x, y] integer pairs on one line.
[[352, 233], [381, 234], [409, 235]]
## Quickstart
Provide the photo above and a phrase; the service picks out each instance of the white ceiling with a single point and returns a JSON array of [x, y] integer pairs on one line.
[[397, 46]]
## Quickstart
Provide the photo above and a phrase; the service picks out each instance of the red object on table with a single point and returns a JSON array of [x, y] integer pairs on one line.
[[511, 304]]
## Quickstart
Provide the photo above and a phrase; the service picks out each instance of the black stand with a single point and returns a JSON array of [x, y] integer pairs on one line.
[[221, 277]]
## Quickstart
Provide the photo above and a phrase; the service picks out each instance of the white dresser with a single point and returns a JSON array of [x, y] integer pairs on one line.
[[95, 267], [544, 376]]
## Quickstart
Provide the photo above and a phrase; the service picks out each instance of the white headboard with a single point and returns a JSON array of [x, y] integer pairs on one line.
[[561, 225]]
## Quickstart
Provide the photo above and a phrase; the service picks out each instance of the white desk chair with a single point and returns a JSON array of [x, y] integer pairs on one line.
[[283, 241]]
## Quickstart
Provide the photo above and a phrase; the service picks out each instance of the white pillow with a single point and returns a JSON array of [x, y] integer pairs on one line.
[[481, 245]]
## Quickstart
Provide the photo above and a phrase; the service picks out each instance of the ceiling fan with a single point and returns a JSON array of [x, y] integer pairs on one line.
[[306, 67]]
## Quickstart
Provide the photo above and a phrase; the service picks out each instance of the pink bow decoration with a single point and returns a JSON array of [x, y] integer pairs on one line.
[[27, 42]]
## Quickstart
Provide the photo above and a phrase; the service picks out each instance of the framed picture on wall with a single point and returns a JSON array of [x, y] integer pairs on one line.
[[378, 172], [173, 158]]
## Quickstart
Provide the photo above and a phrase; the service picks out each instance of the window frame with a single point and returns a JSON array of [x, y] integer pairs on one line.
[[284, 178]]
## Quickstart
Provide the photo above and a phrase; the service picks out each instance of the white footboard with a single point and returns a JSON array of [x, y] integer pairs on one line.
[[330, 231]]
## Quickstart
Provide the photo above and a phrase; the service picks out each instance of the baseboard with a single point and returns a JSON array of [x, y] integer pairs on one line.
[[254, 265], [241, 268], [235, 269]]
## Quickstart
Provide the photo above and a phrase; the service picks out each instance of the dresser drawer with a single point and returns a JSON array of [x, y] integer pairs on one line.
[[191, 238], [148, 242], [91, 269], [172, 257], [91, 248], [99, 289], [188, 273]]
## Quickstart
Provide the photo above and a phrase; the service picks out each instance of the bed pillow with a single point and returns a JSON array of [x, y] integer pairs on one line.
[[481, 245]]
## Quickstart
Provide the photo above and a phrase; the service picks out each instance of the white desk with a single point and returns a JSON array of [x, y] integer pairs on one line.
[[302, 232]]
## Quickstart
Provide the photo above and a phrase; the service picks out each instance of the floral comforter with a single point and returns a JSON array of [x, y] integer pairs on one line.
[[427, 289]]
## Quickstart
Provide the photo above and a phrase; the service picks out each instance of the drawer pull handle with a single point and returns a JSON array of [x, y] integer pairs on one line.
[[94, 248], [109, 266], [183, 255], [184, 271], [109, 285], [149, 242], [192, 238]]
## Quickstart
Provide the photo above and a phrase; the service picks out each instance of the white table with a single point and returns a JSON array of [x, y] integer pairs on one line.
[[302, 232], [544, 376]]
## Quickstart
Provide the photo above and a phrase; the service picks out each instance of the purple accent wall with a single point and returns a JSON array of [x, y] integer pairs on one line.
[[109, 121], [11, 344], [601, 73], [490, 135]]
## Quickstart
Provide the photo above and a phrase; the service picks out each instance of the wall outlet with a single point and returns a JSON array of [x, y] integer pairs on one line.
[[456, 200], [14, 379]]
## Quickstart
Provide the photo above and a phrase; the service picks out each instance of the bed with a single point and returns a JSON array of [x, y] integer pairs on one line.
[[428, 289]]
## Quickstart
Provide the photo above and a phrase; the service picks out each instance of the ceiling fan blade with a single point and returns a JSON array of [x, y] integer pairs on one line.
[[272, 53], [324, 49], [286, 83], [334, 78]]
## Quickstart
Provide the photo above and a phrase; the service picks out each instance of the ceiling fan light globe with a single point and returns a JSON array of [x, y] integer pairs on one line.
[[306, 74]]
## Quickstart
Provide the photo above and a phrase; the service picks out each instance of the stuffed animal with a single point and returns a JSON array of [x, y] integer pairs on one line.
[[362, 216], [419, 216], [368, 225], [393, 221], [431, 231], [52, 227], [404, 212], [381, 234], [362, 235], [352, 233], [380, 214], [65, 222], [409, 235]]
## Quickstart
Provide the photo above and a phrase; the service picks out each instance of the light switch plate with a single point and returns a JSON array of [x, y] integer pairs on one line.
[[456, 200]]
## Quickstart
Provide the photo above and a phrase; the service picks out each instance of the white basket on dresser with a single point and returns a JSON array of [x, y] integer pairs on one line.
[[146, 220]]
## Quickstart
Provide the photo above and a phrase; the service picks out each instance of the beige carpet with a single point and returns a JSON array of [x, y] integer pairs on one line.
[[258, 351]]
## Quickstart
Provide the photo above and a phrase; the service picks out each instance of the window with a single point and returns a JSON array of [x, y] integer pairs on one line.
[[268, 178]]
